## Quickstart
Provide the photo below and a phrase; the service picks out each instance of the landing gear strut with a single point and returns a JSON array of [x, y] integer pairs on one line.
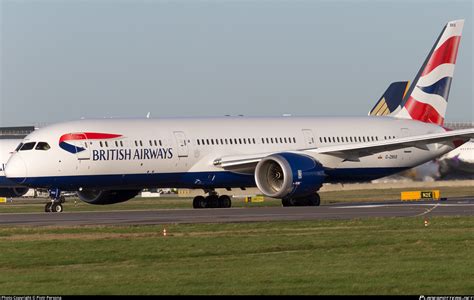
[[212, 201], [56, 201], [310, 200]]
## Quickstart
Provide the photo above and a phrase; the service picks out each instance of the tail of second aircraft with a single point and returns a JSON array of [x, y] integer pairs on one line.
[[427, 98], [391, 99]]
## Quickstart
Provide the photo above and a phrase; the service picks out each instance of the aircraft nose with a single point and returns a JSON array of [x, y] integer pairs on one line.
[[15, 170]]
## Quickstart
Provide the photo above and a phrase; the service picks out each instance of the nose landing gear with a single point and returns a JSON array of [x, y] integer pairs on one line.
[[55, 205]]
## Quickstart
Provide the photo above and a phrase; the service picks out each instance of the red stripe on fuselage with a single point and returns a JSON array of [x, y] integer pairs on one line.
[[87, 136], [423, 112], [446, 54]]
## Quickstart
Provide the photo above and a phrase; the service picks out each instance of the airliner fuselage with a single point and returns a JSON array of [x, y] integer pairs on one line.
[[183, 152]]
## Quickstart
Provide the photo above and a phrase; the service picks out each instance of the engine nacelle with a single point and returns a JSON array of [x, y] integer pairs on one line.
[[101, 197], [289, 175], [13, 192]]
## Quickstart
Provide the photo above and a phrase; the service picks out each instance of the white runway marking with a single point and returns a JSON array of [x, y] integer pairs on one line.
[[398, 205], [428, 210]]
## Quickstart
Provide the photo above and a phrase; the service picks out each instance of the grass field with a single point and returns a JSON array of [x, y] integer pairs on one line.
[[370, 256], [37, 205]]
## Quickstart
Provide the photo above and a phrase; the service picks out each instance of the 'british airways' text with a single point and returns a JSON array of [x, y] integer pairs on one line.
[[128, 154]]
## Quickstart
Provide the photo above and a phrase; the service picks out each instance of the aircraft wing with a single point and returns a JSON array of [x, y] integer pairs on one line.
[[354, 151]]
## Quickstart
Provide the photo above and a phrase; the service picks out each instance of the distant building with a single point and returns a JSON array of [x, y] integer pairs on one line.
[[17, 132], [459, 125]]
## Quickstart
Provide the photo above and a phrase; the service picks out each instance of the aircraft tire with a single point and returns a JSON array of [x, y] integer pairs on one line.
[[314, 200], [57, 207], [212, 201], [225, 201], [199, 202]]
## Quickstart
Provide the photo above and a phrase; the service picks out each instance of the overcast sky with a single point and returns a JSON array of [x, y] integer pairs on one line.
[[63, 60]]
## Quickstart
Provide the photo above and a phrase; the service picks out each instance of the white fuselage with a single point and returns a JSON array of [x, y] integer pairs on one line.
[[461, 158], [7, 147], [464, 153], [180, 152]]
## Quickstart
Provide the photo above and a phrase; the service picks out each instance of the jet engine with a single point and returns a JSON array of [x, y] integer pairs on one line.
[[289, 175], [101, 197], [13, 192]]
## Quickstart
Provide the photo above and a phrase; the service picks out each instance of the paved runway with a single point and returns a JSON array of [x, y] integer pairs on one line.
[[171, 216]]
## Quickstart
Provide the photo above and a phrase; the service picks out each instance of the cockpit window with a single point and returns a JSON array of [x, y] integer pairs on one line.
[[27, 146], [42, 146], [18, 148]]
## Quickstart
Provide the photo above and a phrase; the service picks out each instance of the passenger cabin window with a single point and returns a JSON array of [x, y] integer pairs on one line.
[[42, 146], [28, 146]]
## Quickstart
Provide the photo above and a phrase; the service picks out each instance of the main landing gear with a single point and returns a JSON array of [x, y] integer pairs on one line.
[[310, 200], [212, 201], [56, 201]]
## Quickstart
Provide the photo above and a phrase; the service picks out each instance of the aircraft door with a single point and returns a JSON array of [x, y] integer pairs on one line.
[[309, 138], [182, 143]]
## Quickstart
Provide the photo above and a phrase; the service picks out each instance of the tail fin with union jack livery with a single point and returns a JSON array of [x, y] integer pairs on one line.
[[427, 98]]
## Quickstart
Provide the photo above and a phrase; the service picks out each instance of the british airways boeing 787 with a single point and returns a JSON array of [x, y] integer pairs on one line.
[[110, 160]]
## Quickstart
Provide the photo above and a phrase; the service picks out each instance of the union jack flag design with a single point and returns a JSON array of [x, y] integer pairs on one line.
[[427, 98]]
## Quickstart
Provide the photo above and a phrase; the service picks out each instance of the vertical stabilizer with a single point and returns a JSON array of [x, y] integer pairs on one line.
[[391, 99], [427, 98]]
